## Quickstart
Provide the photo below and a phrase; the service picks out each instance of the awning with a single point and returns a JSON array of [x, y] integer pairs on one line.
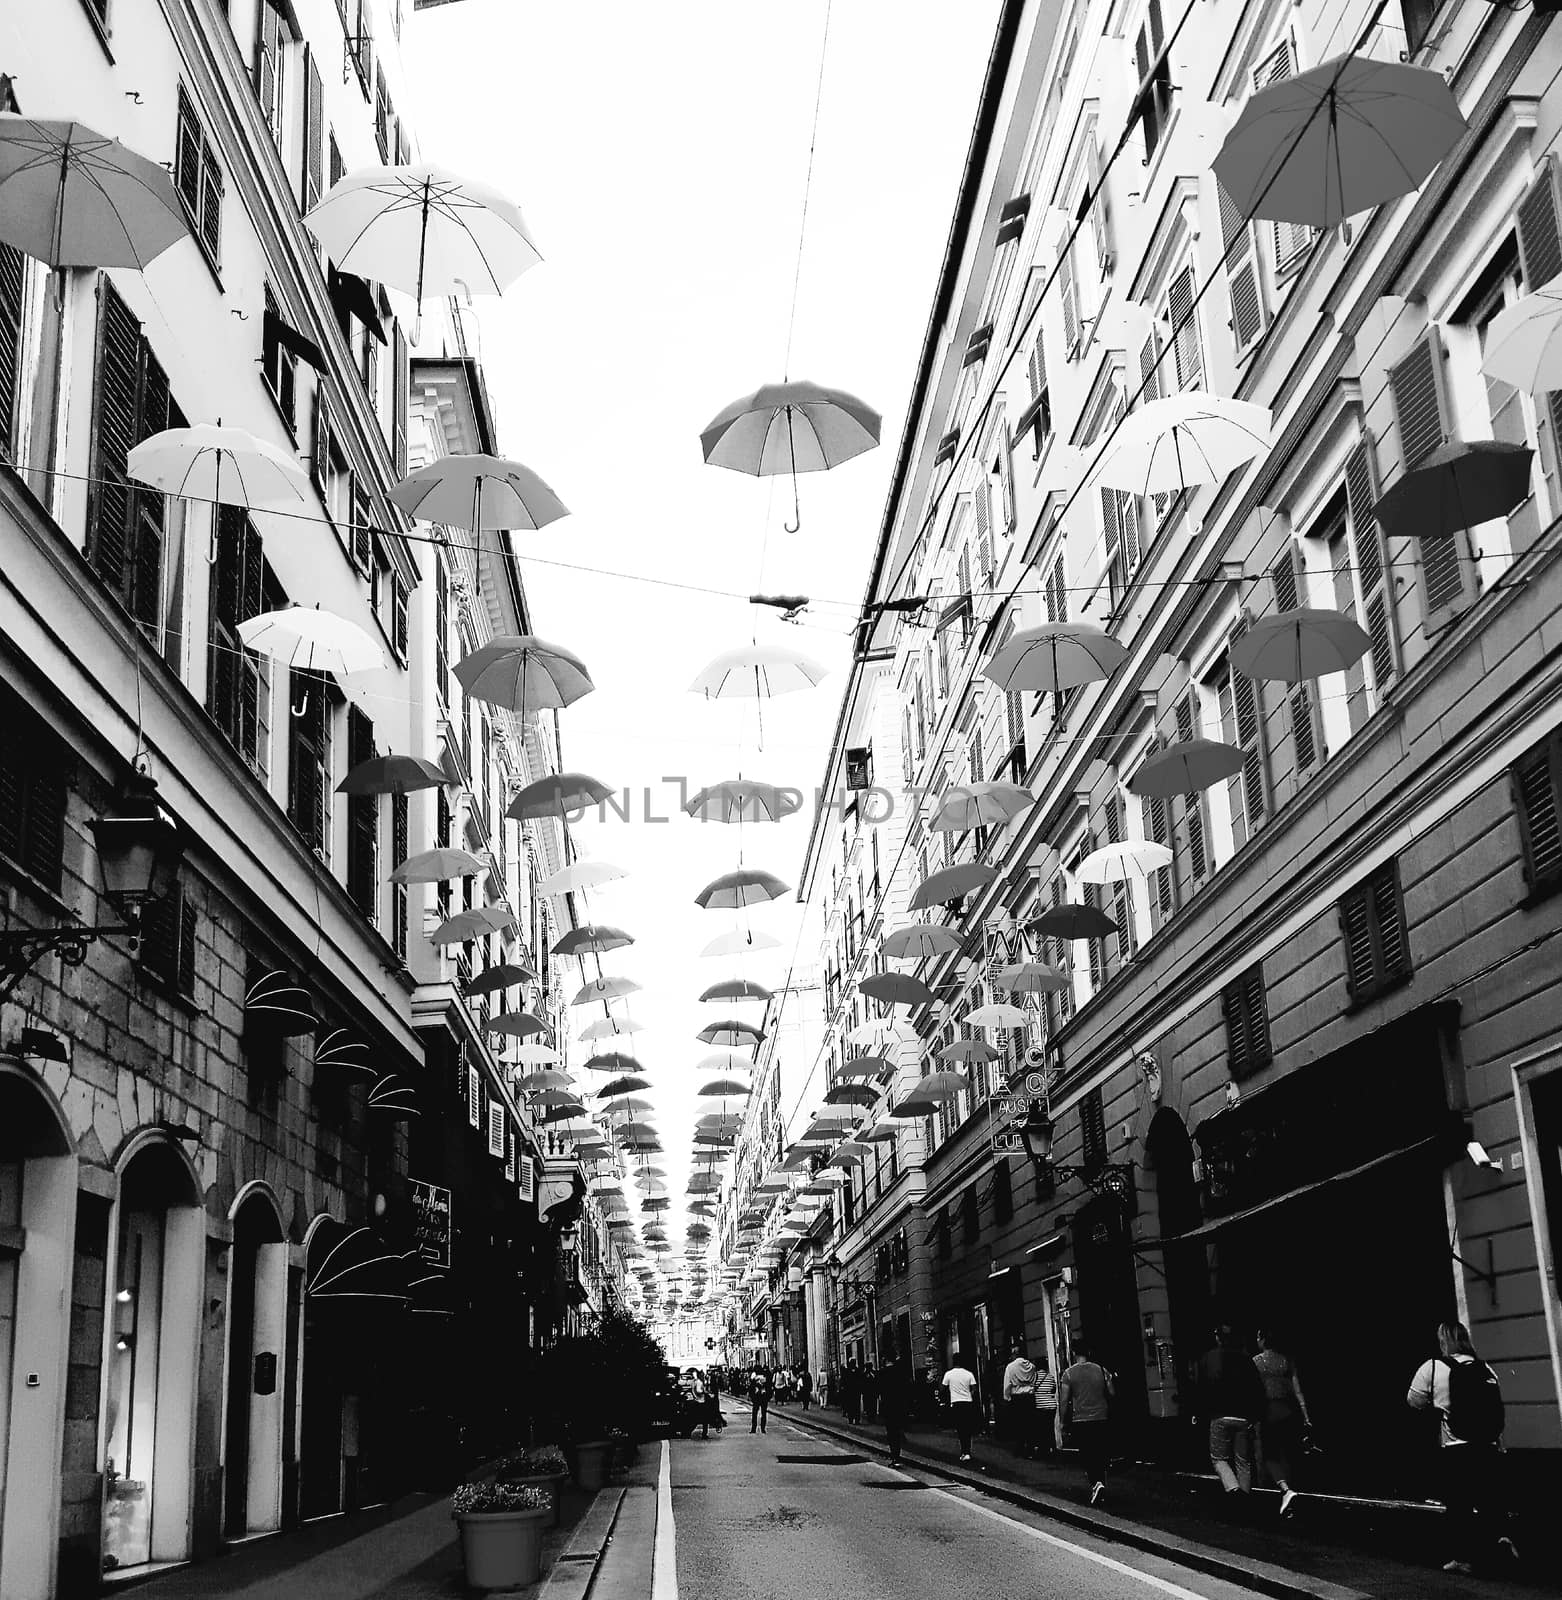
[[276, 331], [275, 1005], [343, 1052], [428, 1287], [353, 1263], [394, 1095], [352, 294]]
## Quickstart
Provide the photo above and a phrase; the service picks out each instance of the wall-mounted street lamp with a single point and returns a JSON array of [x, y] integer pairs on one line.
[[1108, 1179], [139, 851]]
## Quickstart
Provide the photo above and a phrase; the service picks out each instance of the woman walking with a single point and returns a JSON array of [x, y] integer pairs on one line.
[[1285, 1416]]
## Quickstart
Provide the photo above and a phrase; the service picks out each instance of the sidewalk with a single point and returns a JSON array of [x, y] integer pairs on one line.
[[1390, 1551]]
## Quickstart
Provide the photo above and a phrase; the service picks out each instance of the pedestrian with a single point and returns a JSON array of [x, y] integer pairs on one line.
[[1019, 1399], [1465, 1394], [699, 1402], [804, 1383], [1046, 1425], [894, 1403], [960, 1381], [851, 1392], [758, 1398], [1085, 1394], [1285, 1416], [1230, 1400], [870, 1392]]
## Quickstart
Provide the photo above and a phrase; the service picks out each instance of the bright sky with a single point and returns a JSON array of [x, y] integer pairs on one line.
[[659, 153]]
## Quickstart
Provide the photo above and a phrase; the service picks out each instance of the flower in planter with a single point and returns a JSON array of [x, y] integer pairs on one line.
[[534, 1463], [474, 1499]]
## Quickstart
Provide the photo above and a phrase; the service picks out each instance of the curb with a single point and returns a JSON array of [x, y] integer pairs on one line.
[[1256, 1575]]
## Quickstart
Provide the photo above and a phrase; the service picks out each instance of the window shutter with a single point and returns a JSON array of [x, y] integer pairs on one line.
[[399, 848], [381, 113], [1232, 1003], [1036, 365], [1185, 331], [1092, 1131], [474, 1097], [1356, 926], [1372, 572], [160, 937], [1416, 383], [1537, 788], [496, 1128], [363, 519], [1149, 372], [1248, 728], [13, 284], [211, 201], [114, 434], [314, 132], [1070, 298], [1306, 730], [1100, 210], [1444, 577], [187, 156], [1389, 914], [1540, 260], [1193, 804], [399, 614], [267, 48], [1164, 902], [1372, 922], [1057, 597], [1289, 240], [320, 453], [1243, 279], [146, 505], [185, 974], [363, 819], [44, 822], [441, 631], [527, 1179], [1345, 603], [401, 383]]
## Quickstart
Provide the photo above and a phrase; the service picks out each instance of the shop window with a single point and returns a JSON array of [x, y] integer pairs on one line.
[[1537, 789], [1377, 945], [34, 785], [168, 935], [1247, 1023], [198, 178]]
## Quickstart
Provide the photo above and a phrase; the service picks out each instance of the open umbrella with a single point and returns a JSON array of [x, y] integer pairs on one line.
[[227, 465], [865, 1066], [1459, 485], [1298, 644], [392, 774], [725, 1088], [303, 638], [614, 1061], [521, 672], [731, 1034], [1033, 977], [468, 925], [968, 1050], [591, 939], [757, 672], [546, 1078], [726, 1061], [920, 941], [625, 1083], [76, 198], [436, 866], [580, 875], [886, 1031], [737, 989], [1068, 921], [952, 883], [1523, 343], [557, 794], [981, 805], [609, 1028], [1132, 859], [740, 941], [742, 800], [1054, 657], [423, 230], [533, 1054], [480, 493], [746, 887], [548, 1098], [852, 1094], [495, 979], [518, 1024], [790, 427], [1184, 768], [1351, 133], [603, 990], [1181, 440], [996, 1016], [896, 989]]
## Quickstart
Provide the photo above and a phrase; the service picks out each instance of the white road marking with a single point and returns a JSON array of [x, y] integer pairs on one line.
[[664, 1553]]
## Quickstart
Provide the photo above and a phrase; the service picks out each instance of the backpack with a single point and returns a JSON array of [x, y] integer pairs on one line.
[[1475, 1409]]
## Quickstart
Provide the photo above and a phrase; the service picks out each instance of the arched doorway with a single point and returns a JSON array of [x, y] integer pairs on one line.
[[257, 1358], [152, 1337], [37, 1225], [1169, 1154], [1109, 1297]]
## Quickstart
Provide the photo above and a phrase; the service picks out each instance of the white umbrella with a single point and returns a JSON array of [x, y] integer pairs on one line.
[[309, 640], [882, 1031], [423, 230], [435, 866], [479, 492], [997, 1016], [1119, 863], [1033, 977], [1054, 657], [604, 989], [1298, 644], [609, 1028], [226, 465], [740, 941], [1187, 438], [1524, 341], [580, 875], [532, 1054], [756, 672]]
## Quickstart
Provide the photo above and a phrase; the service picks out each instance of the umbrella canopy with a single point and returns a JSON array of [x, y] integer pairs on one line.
[[521, 672], [533, 1054], [468, 925], [546, 1078], [1034, 977], [609, 1028], [1523, 343], [306, 639], [627, 1105], [1068, 921], [1346, 135], [496, 979], [757, 672], [548, 1098], [624, 1083], [1184, 768], [851, 1094], [227, 465], [391, 774], [981, 805], [1054, 657], [517, 1024], [748, 886], [921, 941], [732, 1034], [739, 800], [479, 493], [968, 1050], [613, 1061], [435, 866], [726, 1088], [604, 989], [896, 989], [1131, 860], [890, 1031], [75, 198], [423, 230], [581, 875], [952, 883], [1184, 439], [880, 1133], [867, 1066], [740, 941], [1299, 644], [727, 1061], [557, 794], [1459, 485], [996, 1016], [595, 938], [737, 989]]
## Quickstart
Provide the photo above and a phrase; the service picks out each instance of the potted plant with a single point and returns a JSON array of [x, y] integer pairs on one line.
[[501, 1533], [625, 1448], [577, 1376], [542, 1467]]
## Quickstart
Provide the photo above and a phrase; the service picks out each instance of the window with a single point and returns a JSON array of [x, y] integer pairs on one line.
[[1122, 910], [278, 364], [1003, 1194], [1095, 198], [1092, 1132], [1306, 724], [399, 848], [126, 523], [944, 1232], [1540, 256], [1242, 725], [34, 783], [1179, 311], [1336, 538], [238, 682], [309, 760], [1154, 100], [361, 48], [363, 820], [168, 934], [1120, 531], [401, 383], [1244, 275], [271, 35], [1537, 790], [1289, 242], [382, 113], [1418, 16], [198, 179], [1374, 585], [1377, 948], [971, 1215], [312, 187], [441, 631], [1247, 1023]]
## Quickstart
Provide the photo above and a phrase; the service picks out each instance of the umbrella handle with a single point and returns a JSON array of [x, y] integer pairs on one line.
[[211, 543], [797, 509]]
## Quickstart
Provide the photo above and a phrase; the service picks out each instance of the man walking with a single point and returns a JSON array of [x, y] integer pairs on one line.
[[960, 1381], [1230, 1401], [1019, 1399], [894, 1403], [758, 1398], [805, 1383], [1084, 1414]]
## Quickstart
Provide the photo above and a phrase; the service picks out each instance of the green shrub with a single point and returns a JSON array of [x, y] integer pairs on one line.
[[472, 1499]]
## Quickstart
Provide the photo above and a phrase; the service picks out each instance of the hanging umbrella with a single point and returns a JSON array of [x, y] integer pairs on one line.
[[757, 672], [1184, 768], [465, 926], [308, 640], [1034, 977], [604, 989], [739, 942], [866, 1066], [391, 774], [746, 887], [1346, 135], [423, 230], [726, 1088], [852, 1094], [495, 979], [627, 1105], [981, 805], [1459, 485], [1074, 922], [556, 795], [546, 1078], [732, 1034], [436, 866], [609, 1028], [226, 465], [480, 493], [613, 1061], [851, 1152], [968, 1050], [882, 1031], [549, 1098], [880, 1133], [1299, 644], [75, 198], [590, 939], [726, 1061], [580, 875], [556, 1117], [1184, 439], [741, 800], [1133, 859], [737, 989], [625, 1083], [1054, 657], [921, 941], [896, 989], [518, 1024], [521, 672], [533, 1054], [393, 1096], [792, 428], [952, 884], [1524, 341], [996, 1016]]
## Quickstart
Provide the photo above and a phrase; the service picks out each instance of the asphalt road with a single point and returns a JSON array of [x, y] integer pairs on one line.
[[787, 1516]]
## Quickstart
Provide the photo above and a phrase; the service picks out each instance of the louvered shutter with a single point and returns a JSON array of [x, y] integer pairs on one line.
[[1193, 819], [1092, 1131], [401, 384], [1306, 730], [1537, 788], [146, 572], [1185, 331], [252, 601], [474, 1097], [1244, 281], [1345, 603], [1233, 1004], [1070, 297], [1256, 1006], [114, 434], [1289, 240], [1540, 260], [381, 113], [185, 973], [1356, 929], [1163, 901], [1036, 365], [314, 132], [44, 824], [527, 1180], [363, 519], [442, 631], [1377, 588], [159, 954], [363, 819], [187, 157], [1112, 541], [399, 848], [1389, 915], [1416, 384], [1100, 211], [320, 451], [1247, 733], [365, 55], [1122, 898], [13, 284], [1057, 602], [1149, 370], [211, 201], [496, 1128], [227, 578], [1150, 115], [399, 614], [267, 48]]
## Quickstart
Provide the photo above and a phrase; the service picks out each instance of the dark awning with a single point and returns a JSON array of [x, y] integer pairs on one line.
[[353, 1263], [276, 331], [395, 1095], [275, 1005], [352, 294], [428, 1287], [343, 1052]]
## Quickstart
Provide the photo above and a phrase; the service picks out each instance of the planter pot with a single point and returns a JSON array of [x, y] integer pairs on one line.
[[502, 1549], [591, 1459], [551, 1482]]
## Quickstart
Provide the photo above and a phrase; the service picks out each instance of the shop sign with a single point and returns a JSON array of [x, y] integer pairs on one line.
[[431, 1222]]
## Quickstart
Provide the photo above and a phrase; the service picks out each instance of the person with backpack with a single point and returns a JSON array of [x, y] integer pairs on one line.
[[1465, 1394]]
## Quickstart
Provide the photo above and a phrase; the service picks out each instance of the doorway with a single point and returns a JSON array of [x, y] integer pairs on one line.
[[257, 1328], [1109, 1298]]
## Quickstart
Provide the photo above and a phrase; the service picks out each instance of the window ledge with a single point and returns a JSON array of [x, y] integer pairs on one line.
[[1377, 992]]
